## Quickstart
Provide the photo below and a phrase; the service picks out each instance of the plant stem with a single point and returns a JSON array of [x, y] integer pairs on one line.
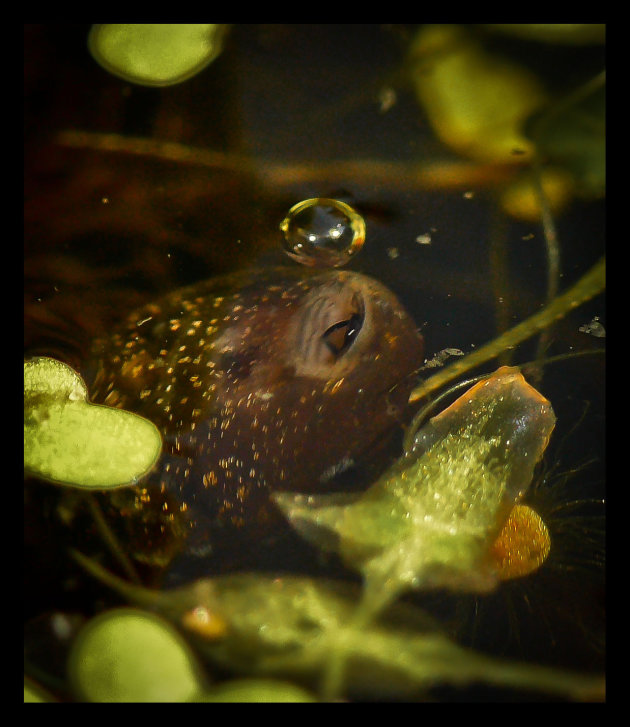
[[588, 286]]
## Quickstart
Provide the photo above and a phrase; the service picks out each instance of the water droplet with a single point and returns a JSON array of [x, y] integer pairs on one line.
[[322, 232]]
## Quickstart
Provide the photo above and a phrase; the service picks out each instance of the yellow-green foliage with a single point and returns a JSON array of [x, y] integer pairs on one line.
[[73, 442]]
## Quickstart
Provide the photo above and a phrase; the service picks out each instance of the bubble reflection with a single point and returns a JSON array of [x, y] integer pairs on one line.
[[322, 232]]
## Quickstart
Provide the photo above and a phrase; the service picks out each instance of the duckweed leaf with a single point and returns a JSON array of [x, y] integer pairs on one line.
[[127, 655], [475, 102], [155, 54], [431, 519], [288, 627], [71, 441], [288, 621]]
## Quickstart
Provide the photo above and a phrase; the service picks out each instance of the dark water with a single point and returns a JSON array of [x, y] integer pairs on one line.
[[287, 109]]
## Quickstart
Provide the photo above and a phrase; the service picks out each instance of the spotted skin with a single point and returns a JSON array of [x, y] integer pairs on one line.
[[259, 382]]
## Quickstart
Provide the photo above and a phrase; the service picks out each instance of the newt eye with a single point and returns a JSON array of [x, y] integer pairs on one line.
[[329, 325], [340, 336]]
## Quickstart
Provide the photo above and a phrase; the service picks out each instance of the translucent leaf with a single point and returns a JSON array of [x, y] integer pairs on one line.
[[520, 198], [70, 441], [256, 690], [288, 627], [155, 54], [431, 520], [126, 655], [475, 102]]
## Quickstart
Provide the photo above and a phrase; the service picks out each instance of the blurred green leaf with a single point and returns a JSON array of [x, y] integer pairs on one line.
[[288, 627], [155, 54], [256, 690], [70, 441], [432, 517], [127, 655], [34, 694], [475, 101], [572, 133]]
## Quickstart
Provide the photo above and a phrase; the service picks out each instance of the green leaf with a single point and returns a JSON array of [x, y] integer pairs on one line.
[[155, 54], [476, 102], [34, 694], [73, 442], [127, 655], [289, 627], [256, 690], [432, 518]]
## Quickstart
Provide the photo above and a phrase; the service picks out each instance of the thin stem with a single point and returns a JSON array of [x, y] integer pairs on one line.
[[589, 285], [548, 224], [441, 174], [551, 245], [572, 99], [499, 272], [375, 599], [111, 541]]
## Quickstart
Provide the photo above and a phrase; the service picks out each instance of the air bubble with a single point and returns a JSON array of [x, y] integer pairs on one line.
[[322, 232]]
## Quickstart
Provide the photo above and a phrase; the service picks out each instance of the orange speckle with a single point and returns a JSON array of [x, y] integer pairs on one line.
[[390, 339], [203, 622], [336, 386], [210, 479]]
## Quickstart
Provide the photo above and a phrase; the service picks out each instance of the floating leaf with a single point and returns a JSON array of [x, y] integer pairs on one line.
[[475, 102], [155, 54], [127, 655], [431, 520], [288, 627], [70, 441]]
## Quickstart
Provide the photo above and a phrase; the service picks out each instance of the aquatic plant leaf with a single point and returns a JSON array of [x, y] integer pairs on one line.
[[521, 199], [33, 693], [256, 690], [574, 135], [288, 627], [155, 54], [128, 655], [432, 518], [70, 441], [475, 102]]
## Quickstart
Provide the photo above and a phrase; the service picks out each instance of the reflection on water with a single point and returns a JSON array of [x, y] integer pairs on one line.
[[131, 192]]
